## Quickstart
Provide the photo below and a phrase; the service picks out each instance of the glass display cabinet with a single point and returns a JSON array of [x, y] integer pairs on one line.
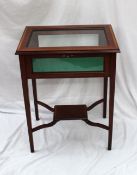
[[76, 51]]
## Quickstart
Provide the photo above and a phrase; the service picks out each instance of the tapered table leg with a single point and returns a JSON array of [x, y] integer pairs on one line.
[[105, 97], [34, 87], [27, 102], [111, 100]]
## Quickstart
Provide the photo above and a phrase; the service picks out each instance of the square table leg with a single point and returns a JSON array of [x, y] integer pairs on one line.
[[105, 97], [34, 87], [26, 102], [111, 100]]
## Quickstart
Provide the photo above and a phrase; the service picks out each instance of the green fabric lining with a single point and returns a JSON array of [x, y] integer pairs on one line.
[[68, 64]]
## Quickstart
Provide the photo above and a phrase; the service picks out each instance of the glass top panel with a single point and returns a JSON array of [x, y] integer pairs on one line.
[[67, 38]]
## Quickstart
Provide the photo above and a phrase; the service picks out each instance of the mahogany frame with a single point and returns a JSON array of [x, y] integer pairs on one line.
[[108, 52]]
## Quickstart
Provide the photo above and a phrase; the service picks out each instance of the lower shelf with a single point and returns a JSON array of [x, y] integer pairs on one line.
[[70, 112]]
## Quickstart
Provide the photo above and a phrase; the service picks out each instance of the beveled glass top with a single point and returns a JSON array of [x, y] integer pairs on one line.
[[67, 38]]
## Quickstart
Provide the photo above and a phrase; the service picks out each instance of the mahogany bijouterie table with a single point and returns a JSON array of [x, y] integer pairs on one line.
[[76, 51]]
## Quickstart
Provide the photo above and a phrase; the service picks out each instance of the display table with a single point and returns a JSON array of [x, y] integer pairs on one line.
[[68, 52]]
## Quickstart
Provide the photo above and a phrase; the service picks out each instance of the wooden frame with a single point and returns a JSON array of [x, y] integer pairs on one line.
[[108, 52], [111, 47]]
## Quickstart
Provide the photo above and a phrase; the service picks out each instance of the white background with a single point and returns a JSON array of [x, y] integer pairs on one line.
[[69, 147]]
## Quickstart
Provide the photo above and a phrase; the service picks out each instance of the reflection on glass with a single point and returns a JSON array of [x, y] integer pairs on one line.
[[68, 40], [60, 38]]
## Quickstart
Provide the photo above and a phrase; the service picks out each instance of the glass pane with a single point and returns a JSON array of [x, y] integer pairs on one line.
[[68, 64], [67, 38]]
